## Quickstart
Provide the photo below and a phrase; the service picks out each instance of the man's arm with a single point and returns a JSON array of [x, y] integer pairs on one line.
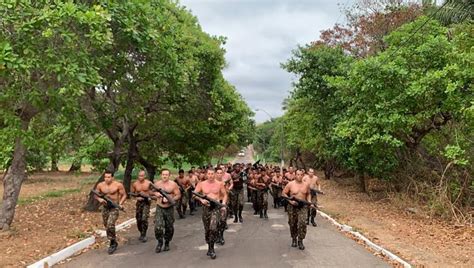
[[319, 184], [101, 200], [122, 193], [224, 194], [176, 192]]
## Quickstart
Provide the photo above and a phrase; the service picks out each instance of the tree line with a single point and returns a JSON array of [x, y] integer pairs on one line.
[[115, 82], [390, 95]]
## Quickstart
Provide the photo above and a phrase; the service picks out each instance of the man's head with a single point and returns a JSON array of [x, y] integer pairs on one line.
[[165, 174], [291, 170], [299, 175], [237, 168], [219, 173], [108, 177], [311, 172], [210, 174], [141, 175], [181, 173]]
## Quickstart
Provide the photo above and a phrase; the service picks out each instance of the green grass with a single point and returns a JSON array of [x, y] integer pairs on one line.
[[50, 194]]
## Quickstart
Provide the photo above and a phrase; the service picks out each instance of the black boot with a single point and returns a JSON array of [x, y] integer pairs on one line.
[[293, 243], [158, 247], [208, 249], [300, 244], [261, 214], [265, 214], [167, 246], [112, 247], [212, 253], [313, 222], [240, 214], [307, 221], [235, 218], [255, 212]]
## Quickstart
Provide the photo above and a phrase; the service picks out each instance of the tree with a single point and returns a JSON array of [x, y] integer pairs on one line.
[[456, 11], [38, 72]]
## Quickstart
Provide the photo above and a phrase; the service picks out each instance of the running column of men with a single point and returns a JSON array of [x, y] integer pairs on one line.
[[223, 185]]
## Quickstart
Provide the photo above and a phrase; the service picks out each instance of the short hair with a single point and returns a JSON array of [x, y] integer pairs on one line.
[[163, 170], [109, 172], [181, 171], [218, 168]]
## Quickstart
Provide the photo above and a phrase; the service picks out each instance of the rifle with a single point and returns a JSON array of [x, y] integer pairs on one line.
[[315, 192], [181, 188], [110, 203], [301, 202], [212, 201], [164, 193], [139, 194]]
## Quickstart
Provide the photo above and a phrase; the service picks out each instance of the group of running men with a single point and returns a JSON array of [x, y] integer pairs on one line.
[[220, 192]]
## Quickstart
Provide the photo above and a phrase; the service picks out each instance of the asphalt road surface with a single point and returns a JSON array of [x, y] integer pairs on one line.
[[254, 243]]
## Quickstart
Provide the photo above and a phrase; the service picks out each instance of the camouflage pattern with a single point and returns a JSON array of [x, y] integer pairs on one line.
[[297, 221], [262, 200], [222, 221], [142, 213], [312, 211], [109, 217], [237, 199], [164, 220], [182, 203], [276, 192], [210, 219], [254, 197]]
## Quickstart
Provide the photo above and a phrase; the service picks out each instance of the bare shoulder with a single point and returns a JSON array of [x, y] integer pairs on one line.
[[119, 184], [100, 185]]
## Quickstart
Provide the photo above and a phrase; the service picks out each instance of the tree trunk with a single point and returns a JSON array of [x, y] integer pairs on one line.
[[362, 181], [76, 165], [54, 162], [131, 155], [329, 169], [13, 179]]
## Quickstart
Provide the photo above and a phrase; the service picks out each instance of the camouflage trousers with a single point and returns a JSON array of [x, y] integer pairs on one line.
[[297, 221], [237, 200], [254, 199], [222, 224], [210, 219], [312, 211], [109, 217], [262, 200], [142, 213], [164, 220], [276, 194], [182, 203]]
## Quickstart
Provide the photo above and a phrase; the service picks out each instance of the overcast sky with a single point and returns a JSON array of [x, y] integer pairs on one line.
[[260, 35]]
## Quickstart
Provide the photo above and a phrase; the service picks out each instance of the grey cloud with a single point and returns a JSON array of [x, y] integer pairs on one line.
[[260, 36]]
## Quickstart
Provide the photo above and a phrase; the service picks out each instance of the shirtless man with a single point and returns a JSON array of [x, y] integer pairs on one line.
[[296, 212], [193, 179], [116, 192], [277, 186], [210, 214], [290, 175], [222, 225], [164, 216], [237, 193], [262, 184], [142, 186], [313, 182], [184, 185]]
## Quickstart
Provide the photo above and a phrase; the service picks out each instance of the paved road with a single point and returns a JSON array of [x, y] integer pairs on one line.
[[254, 243]]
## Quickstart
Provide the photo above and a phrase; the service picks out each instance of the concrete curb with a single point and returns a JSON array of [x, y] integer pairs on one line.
[[372, 245], [79, 246]]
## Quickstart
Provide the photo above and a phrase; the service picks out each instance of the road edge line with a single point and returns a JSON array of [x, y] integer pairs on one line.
[[74, 248], [372, 245]]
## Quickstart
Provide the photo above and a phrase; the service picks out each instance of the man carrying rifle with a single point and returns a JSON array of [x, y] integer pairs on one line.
[[184, 184], [164, 216], [262, 185], [141, 190], [313, 182], [111, 194], [299, 196], [209, 192], [277, 187], [237, 193], [222, 225]]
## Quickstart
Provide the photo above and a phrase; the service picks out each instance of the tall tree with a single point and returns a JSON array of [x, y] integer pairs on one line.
[[38, 72]]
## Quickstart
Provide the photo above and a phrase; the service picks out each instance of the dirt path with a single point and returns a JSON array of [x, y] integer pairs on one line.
[[419, 239]]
